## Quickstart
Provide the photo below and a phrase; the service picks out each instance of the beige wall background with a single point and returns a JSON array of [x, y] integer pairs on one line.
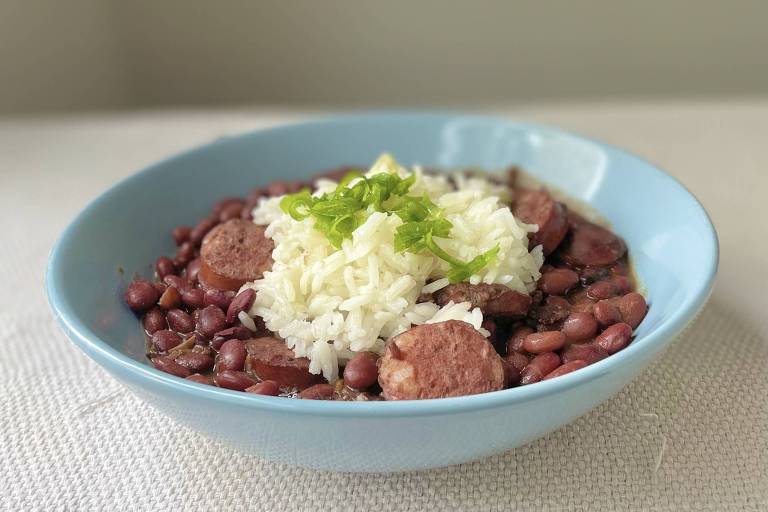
[[109, 54]]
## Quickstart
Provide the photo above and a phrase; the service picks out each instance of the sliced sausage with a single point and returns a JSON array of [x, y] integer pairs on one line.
[[591, 245], [270, 359], [554, 309], [439, 360], [233, 253], [492, 299], [538, 207]]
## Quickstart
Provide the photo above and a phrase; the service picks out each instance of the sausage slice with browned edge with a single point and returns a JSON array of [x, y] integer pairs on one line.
[[270, 359], [492, 299], [234, 253], [591, 245], [538, 207], [439, 360]]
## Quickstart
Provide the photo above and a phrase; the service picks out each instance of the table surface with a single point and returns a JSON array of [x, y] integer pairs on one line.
[[689, 434]]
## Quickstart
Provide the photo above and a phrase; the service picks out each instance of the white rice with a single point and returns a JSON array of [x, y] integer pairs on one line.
[[328, 304]]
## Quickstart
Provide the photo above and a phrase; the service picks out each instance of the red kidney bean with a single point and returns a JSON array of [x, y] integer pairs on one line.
[[141, 295], [168, 365], [242, 302], [361, 371], [318, 392], [606, 313], [278, 188], [238, 332], [180, 321], [511, 374], [609, 288], [164, 266], [231, 211], [218, 298], [231, 379], [585, 352], [194, 298], [200, 230], [154, 320], [517, 337], [546, 341], [579, 327], [267, 387], [490, 325], [193, 270], [184, 254], [568, 367], [539, 366], [558, 281], [160, 287], [231, 356], [177, 282], [614, 338], [181, 234], [223, 203], [210, 320], [518, 360], [164, 340], [170, 299], [633, 308], [195, 361], [200, 379], [580, 303]]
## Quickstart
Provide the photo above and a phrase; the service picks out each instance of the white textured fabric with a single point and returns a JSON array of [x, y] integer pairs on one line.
[[688, 434]]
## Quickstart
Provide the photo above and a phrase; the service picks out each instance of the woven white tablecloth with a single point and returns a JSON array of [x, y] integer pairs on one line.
[[689, 434]]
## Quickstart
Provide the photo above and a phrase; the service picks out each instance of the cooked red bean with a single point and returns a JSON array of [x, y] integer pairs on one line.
[[361, 371], [268, 387], [230, 379], [154, 320], [170, 299], [193, 269], [180, 321], [220, 205], [165, 340], [579, 327], [588, 352], [511, 374], [141, 295], [232, 210], [168, 365], [546, 341], [614, 338], [231, 356], [218, 298], [200, 230], [194, 298], [318, 392], [201, 379], [558, 281], [195, 361], [518, 360], [181, 234], [160, 287], [278, 188], [588, 275], [517, 337], [617, 285], [539, 366], [211, 320], [606, 313], [242, 302], [177, 282], [184, 254], [591, 245], [566, 368], [164, 266], [633, 309]]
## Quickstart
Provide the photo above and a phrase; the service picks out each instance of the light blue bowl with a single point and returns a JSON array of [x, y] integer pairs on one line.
[[671, 240]]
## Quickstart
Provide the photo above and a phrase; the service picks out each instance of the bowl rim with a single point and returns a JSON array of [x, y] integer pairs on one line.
[[131, 370]]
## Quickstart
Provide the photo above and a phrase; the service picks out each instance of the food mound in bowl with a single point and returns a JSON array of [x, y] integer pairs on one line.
[[390, 284]]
